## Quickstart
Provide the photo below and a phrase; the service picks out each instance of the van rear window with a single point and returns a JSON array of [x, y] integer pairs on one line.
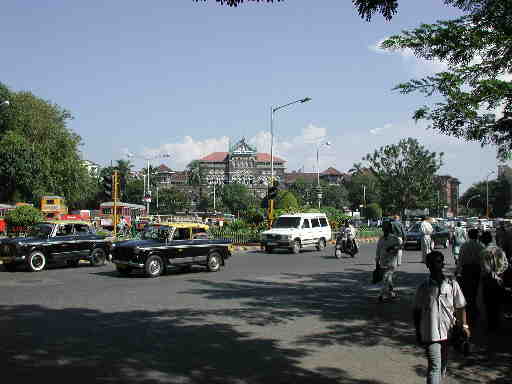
[[323, 222]]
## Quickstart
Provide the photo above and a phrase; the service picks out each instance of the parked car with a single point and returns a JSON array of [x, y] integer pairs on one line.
[[297, 231], [54, 242], [440, 237], [164, 246]]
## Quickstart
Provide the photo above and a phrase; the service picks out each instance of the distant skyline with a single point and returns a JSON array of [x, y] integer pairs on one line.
[[186, 78]]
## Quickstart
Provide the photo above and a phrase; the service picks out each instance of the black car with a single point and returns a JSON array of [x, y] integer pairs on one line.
[[440, 236], [54, 242], [162, 247]]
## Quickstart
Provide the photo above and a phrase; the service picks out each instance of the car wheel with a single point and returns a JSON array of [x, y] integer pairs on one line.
[[320, 245], [268, 249], [10, 267], [154, 266], [214, 262], [296, 247], [98, 257], [36, 261], [123, 270]]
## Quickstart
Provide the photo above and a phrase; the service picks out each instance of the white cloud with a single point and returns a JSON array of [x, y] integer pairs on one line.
[[377, 131], [466, 161]]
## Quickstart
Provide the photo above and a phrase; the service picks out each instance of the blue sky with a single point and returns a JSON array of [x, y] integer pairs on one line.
[[186, 78]]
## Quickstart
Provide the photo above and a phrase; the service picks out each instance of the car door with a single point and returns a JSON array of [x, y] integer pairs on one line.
[[63, 244], [307, 232], [316, 229], [84, 239]]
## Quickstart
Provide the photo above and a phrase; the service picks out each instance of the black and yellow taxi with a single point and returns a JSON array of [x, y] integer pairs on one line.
[[168, 245], [55, 242]]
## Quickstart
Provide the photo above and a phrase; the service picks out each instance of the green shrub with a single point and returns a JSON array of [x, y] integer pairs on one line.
[[23, 216]]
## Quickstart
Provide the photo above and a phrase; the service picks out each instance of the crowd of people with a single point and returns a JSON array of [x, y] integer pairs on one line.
[[477, 296]]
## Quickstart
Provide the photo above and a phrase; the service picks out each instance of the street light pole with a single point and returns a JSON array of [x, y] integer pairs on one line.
[[469, 200], [319, 193], [487, 193], [273, 110]]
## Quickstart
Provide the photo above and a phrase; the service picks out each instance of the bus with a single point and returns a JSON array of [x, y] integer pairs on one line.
[[4, 208], [127, 210], [53, 207]]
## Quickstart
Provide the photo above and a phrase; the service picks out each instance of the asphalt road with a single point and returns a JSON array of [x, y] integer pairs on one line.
[[264, 318]]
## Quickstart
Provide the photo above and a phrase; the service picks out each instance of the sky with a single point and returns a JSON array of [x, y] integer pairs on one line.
[[187, 78]]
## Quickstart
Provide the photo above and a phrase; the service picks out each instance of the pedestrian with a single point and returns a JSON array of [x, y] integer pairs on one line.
[[439, 305], [468, 268], [426, 230], [493, 266], [398, 230], [387, 258], [460, 236]]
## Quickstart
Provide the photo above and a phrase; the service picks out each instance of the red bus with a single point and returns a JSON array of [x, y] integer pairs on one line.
[[127, 210]]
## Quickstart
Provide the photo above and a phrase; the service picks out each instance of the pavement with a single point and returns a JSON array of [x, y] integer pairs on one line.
[[264, 318]]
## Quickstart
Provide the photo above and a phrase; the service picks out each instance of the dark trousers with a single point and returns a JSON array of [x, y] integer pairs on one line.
[[470, 278], [494, 296]]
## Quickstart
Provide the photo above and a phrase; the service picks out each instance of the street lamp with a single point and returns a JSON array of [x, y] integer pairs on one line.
[[319, 193], [148, 158], [469, 200], [487, 193], [272, 111]]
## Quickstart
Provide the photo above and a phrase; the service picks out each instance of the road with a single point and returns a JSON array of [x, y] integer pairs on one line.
[[265, 318]]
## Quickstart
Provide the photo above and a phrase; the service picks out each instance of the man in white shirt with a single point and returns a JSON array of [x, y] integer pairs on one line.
[[439, 305], [426, 230]]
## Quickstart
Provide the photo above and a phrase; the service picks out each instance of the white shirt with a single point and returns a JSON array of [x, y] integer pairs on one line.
[[426, 228], [437, 305]]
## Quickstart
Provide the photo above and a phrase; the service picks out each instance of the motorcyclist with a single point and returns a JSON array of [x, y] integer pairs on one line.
[[351, 235]]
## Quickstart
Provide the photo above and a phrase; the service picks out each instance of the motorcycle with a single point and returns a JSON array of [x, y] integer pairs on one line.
[[345, 244]]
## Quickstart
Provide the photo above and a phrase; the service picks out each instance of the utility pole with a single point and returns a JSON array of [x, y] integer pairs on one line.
[[116, 192]]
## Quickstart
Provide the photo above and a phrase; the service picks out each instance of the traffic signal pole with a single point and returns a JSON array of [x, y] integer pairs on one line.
[[115, 185]]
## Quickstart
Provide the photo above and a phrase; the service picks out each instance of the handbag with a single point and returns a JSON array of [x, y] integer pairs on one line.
[[378, 274]]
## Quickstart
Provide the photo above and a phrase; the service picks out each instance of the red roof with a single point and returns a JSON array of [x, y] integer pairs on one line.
[[332, 171], [164, 168], [215, 157], [221, 156]]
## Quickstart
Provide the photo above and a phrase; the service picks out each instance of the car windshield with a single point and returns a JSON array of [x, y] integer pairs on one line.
[[156, 232], [41, 230], [286, 222]]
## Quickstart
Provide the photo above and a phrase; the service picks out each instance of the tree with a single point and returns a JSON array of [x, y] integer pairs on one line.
[[477, 49], [373, 211], [302, 190], [335, 196], [405, 173], [194, 172], [237, 198], [499, 197], [23, 216], [287, 201], [362, 187], [39, 155]]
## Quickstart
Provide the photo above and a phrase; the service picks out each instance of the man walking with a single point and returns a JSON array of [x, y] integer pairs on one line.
[[438, 306], [387, 257], [460, 236], [399, 231], [426, 239]]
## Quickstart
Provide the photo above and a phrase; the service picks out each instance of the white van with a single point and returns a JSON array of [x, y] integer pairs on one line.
[[297, 231]]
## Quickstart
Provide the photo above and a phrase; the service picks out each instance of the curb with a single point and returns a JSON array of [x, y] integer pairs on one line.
[[257, 247]]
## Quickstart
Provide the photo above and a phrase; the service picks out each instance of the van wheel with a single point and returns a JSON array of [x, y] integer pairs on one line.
[[36, 261], [296, 247], [320, 245]]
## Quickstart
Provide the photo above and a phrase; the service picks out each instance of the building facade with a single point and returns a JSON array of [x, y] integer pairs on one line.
[[448, 195]]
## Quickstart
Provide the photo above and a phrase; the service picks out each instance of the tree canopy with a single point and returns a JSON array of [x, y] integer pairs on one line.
[[405, 173], [35, 141]]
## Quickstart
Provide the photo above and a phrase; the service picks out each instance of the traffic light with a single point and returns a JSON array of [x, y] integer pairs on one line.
[[108, 186], [272, 193]]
